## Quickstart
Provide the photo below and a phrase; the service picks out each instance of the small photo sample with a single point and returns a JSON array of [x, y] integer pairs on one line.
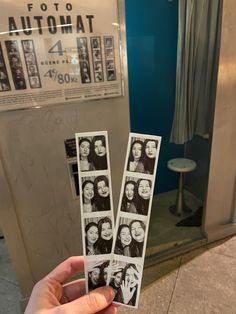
[[111, 75], [82, 47], [97, 55], [130, 237], [27, 45], [98, 235], [92, 153], [136, 196], [110, 64], [98, 66], [108, 41], [95, 43], [109, 53], [35, 82], [125, 280], [98, 77], [97, 273], [32, 70], [96, 194], [30, 58], [85, 71], [142, 155]]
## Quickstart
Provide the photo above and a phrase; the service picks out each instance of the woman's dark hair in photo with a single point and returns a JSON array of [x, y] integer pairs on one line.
[[141, 204], [131, 156], [136, 248], [120, 249], [136, 165], [103, 276], [149, 163], [102, 203], [128, 205], [103, 246], [88, 141], [87, 227], [99, 162], [83, 186]]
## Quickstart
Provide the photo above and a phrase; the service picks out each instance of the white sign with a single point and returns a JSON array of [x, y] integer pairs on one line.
[[52, 52]]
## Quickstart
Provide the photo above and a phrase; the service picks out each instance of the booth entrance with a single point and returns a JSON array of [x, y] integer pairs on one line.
[[39, 201]]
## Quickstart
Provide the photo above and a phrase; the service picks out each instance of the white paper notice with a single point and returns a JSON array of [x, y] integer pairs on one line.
[[52, 52]]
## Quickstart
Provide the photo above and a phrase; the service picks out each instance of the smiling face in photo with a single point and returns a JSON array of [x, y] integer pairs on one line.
[[94, 276], [106, 232], [137, 151], [137, 231], [88, 191], [125, 236], [92, 234], [84, 148], [99, 148], [129, 191], [144, 189], [130, 277], [151, 149], [103, 189]]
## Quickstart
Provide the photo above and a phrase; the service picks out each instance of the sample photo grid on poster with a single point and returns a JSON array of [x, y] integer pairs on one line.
[[97, 59], [110, 58], [15, 64], [4, 80], [133, 216], [96, 204], [84, 62], [31, 63]]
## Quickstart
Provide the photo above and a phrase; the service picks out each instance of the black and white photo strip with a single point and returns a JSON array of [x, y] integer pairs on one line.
[[96, 203], [96, 194], [134, 210]]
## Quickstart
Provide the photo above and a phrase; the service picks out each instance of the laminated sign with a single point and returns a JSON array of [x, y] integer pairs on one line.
[[52, 52]]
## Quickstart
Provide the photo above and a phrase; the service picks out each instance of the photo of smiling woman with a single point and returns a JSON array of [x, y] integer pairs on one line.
[[128, 204], [88, 196], [142, 196], [127, 292], [137, 230], [91, 237], [85, 155], [99, 152], [105, 236], [102, 193], [150, 152], [136, 157], [123, 240]]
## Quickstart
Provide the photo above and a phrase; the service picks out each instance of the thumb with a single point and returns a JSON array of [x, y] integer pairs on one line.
[[92, 302]]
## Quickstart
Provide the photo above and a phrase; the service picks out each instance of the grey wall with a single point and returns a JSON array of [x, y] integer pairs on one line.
[[39, 217]]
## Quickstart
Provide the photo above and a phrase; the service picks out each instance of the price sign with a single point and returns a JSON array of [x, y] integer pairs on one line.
[[58, 52]]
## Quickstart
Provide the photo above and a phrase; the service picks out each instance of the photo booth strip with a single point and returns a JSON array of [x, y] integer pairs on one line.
[[4, 80], [96, 205], [133, 217]]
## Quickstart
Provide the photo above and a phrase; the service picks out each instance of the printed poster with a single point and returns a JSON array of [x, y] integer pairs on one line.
[[54, 52]]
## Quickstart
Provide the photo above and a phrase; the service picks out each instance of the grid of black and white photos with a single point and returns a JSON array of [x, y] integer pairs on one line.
[[110, 58], [15, 64], [4, 80], [131, 231], [31, 63], [96, 204]]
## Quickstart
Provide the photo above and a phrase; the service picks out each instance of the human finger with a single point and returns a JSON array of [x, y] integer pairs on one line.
[[92, 302], [67, 269], [111, 309], [73, 290]]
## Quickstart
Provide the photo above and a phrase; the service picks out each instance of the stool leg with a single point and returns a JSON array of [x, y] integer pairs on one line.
[[179, 208]]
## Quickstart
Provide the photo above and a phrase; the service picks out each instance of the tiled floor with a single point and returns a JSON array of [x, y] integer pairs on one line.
[[202, 281]]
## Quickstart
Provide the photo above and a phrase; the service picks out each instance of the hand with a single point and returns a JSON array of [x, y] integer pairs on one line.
[[127, 291], [52, 296]]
